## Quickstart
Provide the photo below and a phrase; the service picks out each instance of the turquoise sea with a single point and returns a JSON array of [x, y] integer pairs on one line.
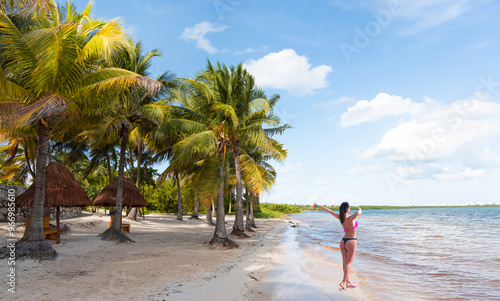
[[402, 254]]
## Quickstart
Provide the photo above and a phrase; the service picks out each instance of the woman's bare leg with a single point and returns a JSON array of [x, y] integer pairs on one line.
[[351, 251], [343, 250]]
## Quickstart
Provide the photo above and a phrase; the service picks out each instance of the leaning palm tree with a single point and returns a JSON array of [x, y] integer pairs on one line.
[[50, 76]]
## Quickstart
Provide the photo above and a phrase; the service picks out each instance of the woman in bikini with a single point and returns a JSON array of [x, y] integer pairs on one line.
[[349, 242]]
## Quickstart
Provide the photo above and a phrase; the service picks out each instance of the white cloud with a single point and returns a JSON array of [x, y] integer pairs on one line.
[[288, 71], [439, 131], [197, 33], [381, 106], [430, 13], [453, 174], [481, 158]]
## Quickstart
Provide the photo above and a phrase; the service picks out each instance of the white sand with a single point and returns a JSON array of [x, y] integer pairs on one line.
[[169, 260]]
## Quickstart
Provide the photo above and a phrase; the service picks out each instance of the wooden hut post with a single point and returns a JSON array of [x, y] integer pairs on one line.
[[58, 226]]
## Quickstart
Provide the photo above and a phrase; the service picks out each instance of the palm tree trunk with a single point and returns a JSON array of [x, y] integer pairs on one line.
[[179, 197], [27, 158], [114, 232], [238, 229], [139, 162], [131, 165], [208, 219], [194, 215], [110, 173], [110, 176], [131, 152], [220, 238], [33, 244], [247, 223], [252, 218], [132, 215]]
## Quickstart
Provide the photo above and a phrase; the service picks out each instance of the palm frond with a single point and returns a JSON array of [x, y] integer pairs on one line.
[[105, 41], [46, 108]]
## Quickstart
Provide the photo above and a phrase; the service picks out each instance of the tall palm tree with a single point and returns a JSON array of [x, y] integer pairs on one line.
[[127, 114], [50, 75], [140, 63], [245, 110], [203, 143]]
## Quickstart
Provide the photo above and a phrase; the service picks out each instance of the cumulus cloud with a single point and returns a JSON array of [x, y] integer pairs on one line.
[[288, 71], [438, 131], [197, 33], [381, 106]]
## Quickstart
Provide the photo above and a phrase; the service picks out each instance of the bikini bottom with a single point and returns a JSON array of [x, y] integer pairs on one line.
[[348, 239]]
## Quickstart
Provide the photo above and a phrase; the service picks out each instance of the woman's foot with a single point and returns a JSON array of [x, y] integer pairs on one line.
[[342, 286], [350, 285]]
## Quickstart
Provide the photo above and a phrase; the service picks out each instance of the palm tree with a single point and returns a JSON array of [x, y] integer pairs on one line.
[[132, 113], [246, 111], [203, 143], [52, 70], [141, 63]]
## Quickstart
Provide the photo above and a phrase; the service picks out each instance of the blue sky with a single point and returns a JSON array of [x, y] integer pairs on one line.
[[392, 101]]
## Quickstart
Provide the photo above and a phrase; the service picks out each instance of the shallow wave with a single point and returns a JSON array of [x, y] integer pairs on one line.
[[441, 254]]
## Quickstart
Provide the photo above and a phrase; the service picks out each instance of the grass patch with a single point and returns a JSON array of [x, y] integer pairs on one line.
[[266, 213]]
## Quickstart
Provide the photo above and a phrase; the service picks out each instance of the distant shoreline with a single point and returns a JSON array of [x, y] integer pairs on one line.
[[372, 207]]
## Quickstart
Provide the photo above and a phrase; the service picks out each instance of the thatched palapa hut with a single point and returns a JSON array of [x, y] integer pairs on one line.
[[131, 195], [61, 189]]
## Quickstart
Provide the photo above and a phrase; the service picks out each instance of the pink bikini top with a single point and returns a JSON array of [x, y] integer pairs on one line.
[[355, 226]]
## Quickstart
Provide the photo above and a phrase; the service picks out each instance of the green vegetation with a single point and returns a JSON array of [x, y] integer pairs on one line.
[[283, 208], [266, 213]]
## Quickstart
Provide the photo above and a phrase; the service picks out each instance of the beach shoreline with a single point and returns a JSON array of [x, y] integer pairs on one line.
[[168, 259]]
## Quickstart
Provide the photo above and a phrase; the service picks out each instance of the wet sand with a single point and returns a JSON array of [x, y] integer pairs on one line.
[[303, 273]]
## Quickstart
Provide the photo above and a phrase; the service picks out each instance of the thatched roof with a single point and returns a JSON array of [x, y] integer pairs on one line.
[[61, 189], [131, 195]]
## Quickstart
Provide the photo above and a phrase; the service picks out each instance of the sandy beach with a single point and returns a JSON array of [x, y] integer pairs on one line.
[[168, 260]]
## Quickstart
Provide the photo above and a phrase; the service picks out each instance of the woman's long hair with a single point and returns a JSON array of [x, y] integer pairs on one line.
[[342, 211]]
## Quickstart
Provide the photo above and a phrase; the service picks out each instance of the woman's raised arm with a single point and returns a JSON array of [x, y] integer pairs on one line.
[[356, 213], [325, 209]]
